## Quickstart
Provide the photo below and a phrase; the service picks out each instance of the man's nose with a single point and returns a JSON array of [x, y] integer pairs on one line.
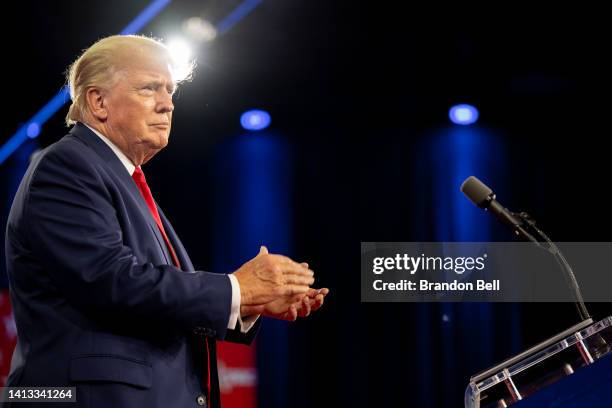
[[164, 104]]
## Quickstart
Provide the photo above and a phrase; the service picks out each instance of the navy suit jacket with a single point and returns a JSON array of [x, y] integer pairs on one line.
[[97, 302]]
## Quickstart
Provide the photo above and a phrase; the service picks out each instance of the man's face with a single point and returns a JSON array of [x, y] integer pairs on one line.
[[139, 107]]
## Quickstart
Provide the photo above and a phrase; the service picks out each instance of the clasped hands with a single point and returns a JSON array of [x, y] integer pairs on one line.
[[278, 287]]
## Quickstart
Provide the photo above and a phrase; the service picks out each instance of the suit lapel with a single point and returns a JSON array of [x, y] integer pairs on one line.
[[84, 134]]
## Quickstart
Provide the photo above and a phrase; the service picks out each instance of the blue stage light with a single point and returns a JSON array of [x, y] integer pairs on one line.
[[255, 120], [463, 114], [33, 130]]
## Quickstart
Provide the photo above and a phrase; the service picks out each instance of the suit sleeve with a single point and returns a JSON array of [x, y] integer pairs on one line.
[[73, 230]]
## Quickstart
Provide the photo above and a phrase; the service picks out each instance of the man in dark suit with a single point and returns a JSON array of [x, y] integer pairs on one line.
[[104, 294]]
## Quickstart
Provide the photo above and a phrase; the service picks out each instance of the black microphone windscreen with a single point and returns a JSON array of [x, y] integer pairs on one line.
[[476, 191]]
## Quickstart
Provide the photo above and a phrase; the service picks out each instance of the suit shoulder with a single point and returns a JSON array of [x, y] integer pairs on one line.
[[67, 162], [68, 157], [69, 150]]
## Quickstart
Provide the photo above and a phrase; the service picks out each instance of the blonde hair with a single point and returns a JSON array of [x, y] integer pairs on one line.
[[98, 64]]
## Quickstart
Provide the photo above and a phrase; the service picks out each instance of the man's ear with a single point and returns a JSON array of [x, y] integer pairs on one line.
[[95, 100]]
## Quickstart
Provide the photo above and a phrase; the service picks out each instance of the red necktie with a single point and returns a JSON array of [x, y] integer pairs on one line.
[[141, 182]]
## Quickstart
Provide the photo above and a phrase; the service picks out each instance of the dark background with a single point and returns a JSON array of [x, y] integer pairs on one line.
[[360, 93]]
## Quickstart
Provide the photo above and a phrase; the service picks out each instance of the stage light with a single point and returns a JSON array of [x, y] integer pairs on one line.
[[181, 54], [199, 30], [33, 130], [180, 51], [463, 114], [255, 120]]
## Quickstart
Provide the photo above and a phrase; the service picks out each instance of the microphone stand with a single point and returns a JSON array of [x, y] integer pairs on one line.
[[528, 223], [525, 227]]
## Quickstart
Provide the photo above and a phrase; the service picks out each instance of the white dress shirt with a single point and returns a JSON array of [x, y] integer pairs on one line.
[[245, 324]]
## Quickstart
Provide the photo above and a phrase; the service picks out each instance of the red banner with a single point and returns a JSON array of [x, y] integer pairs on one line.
[[237, 375], [8, 335]]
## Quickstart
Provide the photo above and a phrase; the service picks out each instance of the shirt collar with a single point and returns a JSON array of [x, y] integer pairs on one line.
[[129, 166]]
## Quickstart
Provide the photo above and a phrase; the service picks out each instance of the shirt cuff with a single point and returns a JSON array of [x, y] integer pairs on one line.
[[247, 322]]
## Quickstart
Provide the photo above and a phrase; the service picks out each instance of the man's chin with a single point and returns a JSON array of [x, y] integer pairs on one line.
[[163, 142], [159, 140]]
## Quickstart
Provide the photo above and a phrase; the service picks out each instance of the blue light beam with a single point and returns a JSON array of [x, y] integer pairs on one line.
[[235, 16]]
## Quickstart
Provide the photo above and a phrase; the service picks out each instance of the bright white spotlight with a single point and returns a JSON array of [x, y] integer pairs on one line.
[[179, 50], [181, 55], [463, 114], [255, 120]]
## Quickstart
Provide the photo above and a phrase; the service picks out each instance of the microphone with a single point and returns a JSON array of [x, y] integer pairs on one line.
[[482, 196]]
